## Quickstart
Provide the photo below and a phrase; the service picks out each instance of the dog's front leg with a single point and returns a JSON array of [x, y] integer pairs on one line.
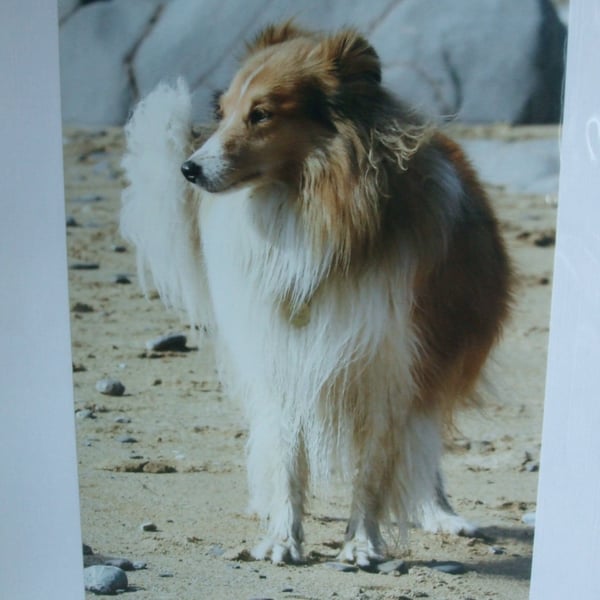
[[277, 474]]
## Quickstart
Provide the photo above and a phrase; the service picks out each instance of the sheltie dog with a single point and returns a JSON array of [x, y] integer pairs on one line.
[[351, 268]]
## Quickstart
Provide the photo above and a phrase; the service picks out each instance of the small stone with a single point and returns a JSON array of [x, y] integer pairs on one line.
[[122, 279], [529, 519], [87, 550], [165, 574], [496, 550], [88, 199], [119, 249], [85, 413], [110, 387], [82, 307], [122, 419], [122, 563], [139, 565], [450, 567], [342, 567], [104, 579], [393, 566], [71, 221], [148, 526], [83, 266], [126, 439], [175, 342]]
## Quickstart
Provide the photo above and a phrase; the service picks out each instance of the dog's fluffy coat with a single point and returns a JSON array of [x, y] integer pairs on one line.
[[349, 263]]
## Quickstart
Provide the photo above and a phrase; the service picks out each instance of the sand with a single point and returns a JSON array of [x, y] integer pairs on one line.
[[185, 471]]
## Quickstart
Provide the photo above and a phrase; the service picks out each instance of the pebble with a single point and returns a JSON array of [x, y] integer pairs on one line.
[[119, 249], [126, 439], [342, 567], [393, 566], [529, 519], [85, 413], [104, 579], [71, 221], [110, 387], [122, 420], [450, 567], [122, 563], [84, 266], [148, 526], [82, 307], [87, 550], [139, 565], [174, 342], [122, 279], [497, 550], [88, 199]]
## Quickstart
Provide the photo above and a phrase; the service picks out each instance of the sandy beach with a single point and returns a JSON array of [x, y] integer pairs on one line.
[[170, 450]]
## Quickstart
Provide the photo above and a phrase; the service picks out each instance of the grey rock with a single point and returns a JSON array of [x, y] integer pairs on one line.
[[171, 342], [95, 44], [148, 526], [139, 565], [492, 60], [103, 579], [71, 221], [122, 563], [449, 567], [393, 566], [342, 567], [110, 387], [126, 439], [520, 166], [486, 61], [122, 279]]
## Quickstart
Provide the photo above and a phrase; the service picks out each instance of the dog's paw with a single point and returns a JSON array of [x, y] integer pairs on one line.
[[279, 551], [442, 522], [362, 552]]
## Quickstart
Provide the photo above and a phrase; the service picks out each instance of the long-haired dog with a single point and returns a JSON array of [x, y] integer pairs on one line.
[[350, 264]]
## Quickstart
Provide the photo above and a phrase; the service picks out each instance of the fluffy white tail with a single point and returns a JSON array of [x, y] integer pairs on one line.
[[160, 209]]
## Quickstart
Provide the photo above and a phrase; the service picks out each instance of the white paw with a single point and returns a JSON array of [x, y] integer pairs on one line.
[[279, 551], [362, 552], [442, 522]]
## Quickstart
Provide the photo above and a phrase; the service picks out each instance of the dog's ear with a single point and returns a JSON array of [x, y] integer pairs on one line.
[[354, 60], [274, 34]]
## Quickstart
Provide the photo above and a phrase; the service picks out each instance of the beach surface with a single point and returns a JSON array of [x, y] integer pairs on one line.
[[169, 452]]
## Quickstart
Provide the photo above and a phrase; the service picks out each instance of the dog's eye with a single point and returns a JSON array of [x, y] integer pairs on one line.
[[258, 115]]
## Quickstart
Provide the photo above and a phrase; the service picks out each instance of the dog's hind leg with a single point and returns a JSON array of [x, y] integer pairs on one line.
[[278, 474]]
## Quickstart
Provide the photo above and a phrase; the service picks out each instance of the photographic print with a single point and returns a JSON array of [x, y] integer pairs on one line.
[[310, 268]]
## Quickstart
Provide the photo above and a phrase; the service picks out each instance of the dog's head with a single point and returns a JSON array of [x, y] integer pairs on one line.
[[288, 98]]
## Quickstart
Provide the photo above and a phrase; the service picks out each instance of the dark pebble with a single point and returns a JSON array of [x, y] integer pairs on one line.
[[174, 342], [165, 575], [88, 199], [119, 249], [103, 579], [87, 550], [71, 222], [342, 567], [82, 307], [148, 526], [126, 439], [122, 279], [122, 563], [84, 266], [450, 567], [110, 387], [122, 420]]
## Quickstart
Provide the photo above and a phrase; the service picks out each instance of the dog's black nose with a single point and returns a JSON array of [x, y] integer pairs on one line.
[[191, 170]]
